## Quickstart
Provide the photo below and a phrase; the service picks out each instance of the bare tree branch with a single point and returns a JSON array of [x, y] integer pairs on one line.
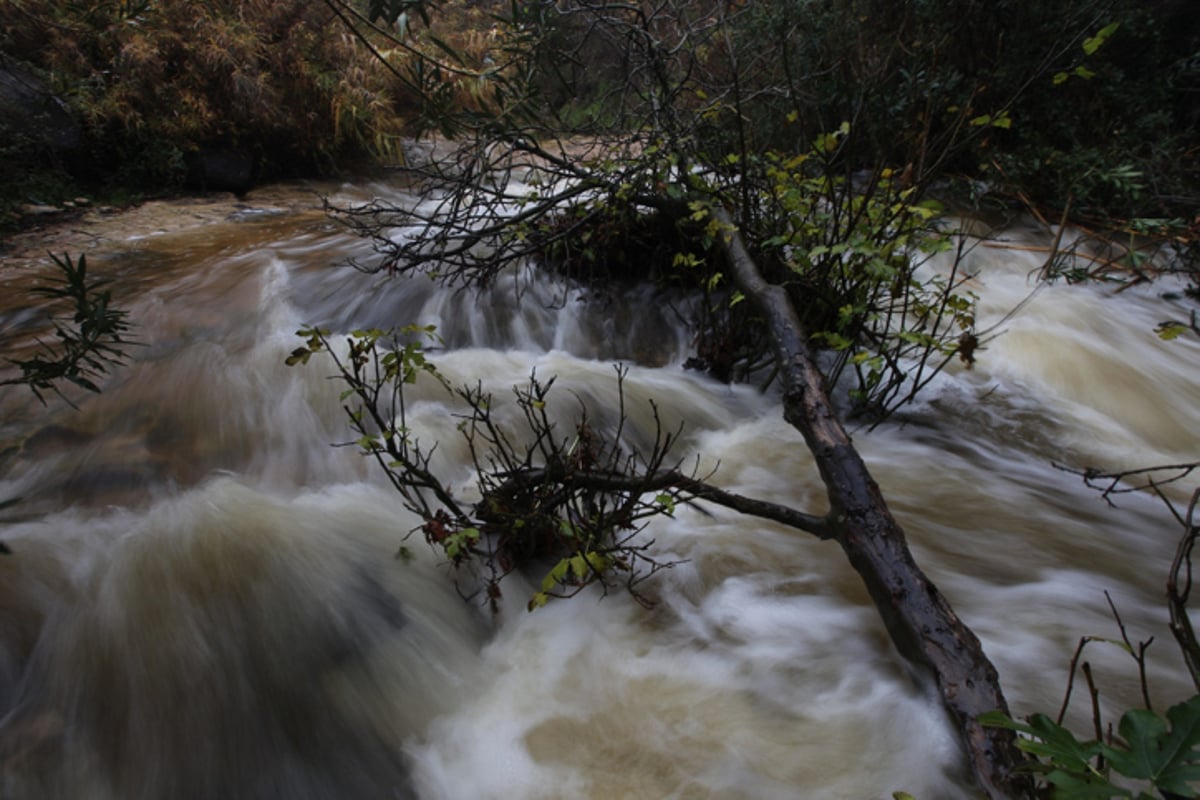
[[1179, 579], [921, 622]]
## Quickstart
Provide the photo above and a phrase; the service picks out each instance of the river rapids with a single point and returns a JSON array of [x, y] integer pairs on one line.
[[203, 598]]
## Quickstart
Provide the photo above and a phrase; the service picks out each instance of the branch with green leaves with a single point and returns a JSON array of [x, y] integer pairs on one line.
[[1148, 751], [576, 499], [90, 338]]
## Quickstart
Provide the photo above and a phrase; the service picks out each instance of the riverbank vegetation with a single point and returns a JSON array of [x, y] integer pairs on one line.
[[155, 87], [1087, 102]]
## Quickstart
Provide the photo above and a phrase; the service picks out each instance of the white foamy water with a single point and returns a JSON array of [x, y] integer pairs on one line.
[[204, 598]]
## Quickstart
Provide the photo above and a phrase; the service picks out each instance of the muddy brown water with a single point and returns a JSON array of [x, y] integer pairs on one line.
[[203, 598]]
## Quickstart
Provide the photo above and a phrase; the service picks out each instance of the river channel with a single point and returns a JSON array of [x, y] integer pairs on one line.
[[203, 598]]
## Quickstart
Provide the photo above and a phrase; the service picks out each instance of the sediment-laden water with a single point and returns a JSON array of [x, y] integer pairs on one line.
[[203, 598]]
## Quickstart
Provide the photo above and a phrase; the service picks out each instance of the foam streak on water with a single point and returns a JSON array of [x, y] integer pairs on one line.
[[204, 599]]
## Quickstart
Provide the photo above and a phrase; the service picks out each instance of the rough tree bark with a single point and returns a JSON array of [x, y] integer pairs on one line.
[[923, 626]]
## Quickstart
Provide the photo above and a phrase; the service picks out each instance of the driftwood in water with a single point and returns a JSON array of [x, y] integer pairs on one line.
[[922, 625]]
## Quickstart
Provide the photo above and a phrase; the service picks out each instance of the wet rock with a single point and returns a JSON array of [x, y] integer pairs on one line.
[[31, 112], [37, 210], [220, 170]]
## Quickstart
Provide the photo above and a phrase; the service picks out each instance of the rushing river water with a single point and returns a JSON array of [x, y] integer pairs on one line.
[[203, 598]]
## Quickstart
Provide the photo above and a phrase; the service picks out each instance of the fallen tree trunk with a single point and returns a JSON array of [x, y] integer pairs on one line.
[[922, 625]]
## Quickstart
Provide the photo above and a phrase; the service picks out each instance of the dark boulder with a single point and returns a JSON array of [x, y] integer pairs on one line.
[[221, 170], [30, 112]]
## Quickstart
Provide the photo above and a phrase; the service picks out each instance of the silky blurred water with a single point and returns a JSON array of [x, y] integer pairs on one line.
[[204, 598]]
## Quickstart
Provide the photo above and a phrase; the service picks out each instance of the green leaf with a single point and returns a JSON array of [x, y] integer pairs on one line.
[[1048, 739], [930, 204], [299, 356], [1170, 330], [1060, 77], [916, 337], [1094, 43], [1001, 120], [1167, 757], [1068, 786], [580, 568], [1143, 730], [597, 561], [835, 341], [556, 575], [1084, 72]]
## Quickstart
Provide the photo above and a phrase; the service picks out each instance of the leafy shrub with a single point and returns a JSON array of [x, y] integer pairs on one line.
[[1163, 754], [158, 81]]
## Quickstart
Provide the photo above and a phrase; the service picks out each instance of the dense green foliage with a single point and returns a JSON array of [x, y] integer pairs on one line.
[[1163, 754], [1087, 100], [1092, 100], [572, 501]]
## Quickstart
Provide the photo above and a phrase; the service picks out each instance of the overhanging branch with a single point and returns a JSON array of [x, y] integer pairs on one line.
[[922, 625], [694, 488]]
